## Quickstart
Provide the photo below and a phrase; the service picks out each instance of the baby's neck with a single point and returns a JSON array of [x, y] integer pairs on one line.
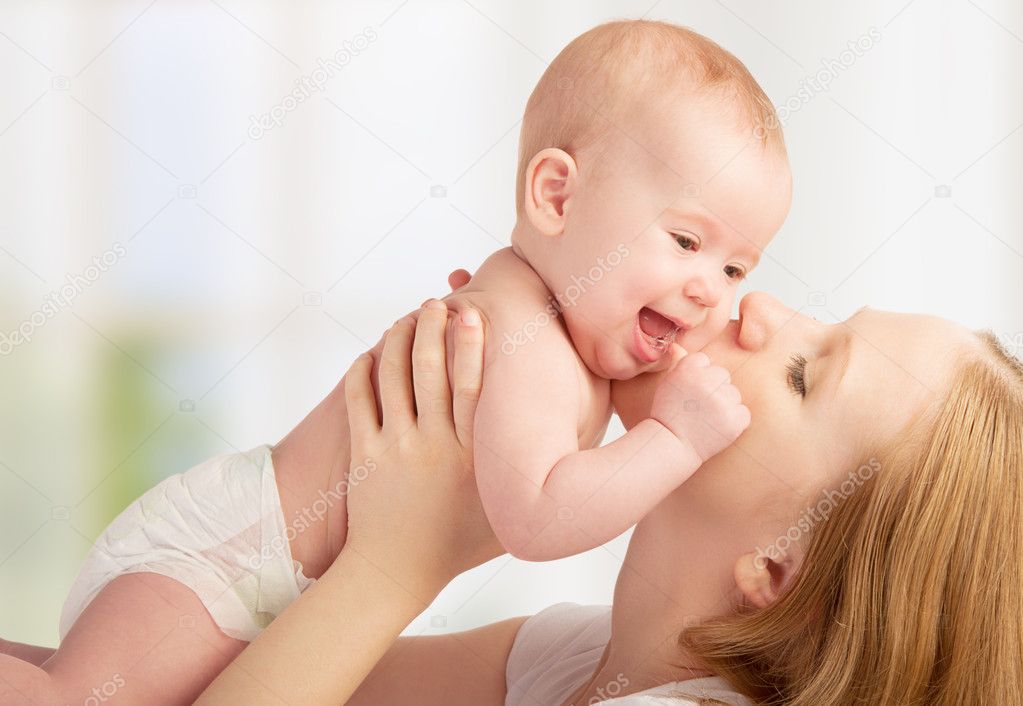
[[525, 247]]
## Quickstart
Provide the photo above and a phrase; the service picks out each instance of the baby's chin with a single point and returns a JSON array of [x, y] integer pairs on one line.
[[620, 364]]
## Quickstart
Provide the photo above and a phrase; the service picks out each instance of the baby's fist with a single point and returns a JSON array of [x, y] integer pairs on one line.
[[699, 404]]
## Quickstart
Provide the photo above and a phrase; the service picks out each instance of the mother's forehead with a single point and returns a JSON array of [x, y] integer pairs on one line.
[[901, 361]]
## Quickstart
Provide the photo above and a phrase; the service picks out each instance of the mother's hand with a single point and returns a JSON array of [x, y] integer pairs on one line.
[[415, 521], [413, 507]]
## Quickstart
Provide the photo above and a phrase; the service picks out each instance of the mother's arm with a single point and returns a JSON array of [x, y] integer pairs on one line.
[[415, 522], [322, 646], [441, 670]]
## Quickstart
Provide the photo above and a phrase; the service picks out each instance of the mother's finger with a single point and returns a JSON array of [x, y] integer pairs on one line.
[[396, 377], [467, 373], [360, 402], [458, 279], [430, 368]]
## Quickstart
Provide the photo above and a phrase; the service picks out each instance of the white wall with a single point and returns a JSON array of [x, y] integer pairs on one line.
[[254, 270]]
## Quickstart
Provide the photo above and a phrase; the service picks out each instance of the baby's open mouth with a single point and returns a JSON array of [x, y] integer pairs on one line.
[[659, 330]]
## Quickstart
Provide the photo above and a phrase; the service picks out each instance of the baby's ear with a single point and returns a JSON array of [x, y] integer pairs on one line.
[[761, 578], [551, 181]]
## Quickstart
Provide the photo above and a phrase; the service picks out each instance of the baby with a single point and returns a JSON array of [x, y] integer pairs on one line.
[[649, 184], [652, 175]]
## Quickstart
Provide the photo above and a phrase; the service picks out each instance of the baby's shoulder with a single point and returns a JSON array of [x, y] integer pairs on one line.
[[517, 307]]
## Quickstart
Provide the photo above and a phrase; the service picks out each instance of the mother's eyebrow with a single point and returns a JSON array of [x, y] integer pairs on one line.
[[849, 336], [847, 362]]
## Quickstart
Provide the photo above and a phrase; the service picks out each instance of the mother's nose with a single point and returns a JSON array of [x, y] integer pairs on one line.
[[761, 316]]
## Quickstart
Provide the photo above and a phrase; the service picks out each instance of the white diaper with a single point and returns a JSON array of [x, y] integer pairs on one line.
[[218, 529]]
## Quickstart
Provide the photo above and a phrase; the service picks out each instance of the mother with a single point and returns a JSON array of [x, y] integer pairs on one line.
[[860, 543]]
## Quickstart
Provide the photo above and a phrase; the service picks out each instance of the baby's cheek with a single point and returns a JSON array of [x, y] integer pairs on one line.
[[712, 327]]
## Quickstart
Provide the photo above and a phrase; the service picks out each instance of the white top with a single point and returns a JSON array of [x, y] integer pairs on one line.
[[557, 650]]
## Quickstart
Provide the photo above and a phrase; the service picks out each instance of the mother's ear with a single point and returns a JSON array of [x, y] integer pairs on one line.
[[762, 579], [551, 180]]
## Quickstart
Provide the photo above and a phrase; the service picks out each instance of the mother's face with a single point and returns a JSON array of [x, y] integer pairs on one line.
[[824, 398]]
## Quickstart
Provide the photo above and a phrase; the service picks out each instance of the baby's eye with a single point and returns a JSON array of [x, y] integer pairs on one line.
[[735, 272], [687, 242]]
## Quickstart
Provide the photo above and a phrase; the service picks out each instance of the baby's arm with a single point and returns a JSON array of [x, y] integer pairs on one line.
[[544, 497]]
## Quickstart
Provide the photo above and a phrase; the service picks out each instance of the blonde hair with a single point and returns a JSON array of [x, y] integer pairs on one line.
[[599, 76], [912, 591]]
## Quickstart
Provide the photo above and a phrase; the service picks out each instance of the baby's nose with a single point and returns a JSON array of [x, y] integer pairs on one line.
[[703, 292]]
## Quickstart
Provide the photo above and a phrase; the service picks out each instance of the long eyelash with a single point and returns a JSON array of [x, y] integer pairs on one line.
[[797, 375]]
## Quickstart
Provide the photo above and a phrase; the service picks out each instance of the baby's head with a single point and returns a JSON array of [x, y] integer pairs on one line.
[[652, 174]]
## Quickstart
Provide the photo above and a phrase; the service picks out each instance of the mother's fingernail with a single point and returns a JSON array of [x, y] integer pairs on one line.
[[470, 317], [434, 304]]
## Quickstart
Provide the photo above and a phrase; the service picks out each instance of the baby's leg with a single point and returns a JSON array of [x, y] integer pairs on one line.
[[311, 464], [32, 654], [145, 638]]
